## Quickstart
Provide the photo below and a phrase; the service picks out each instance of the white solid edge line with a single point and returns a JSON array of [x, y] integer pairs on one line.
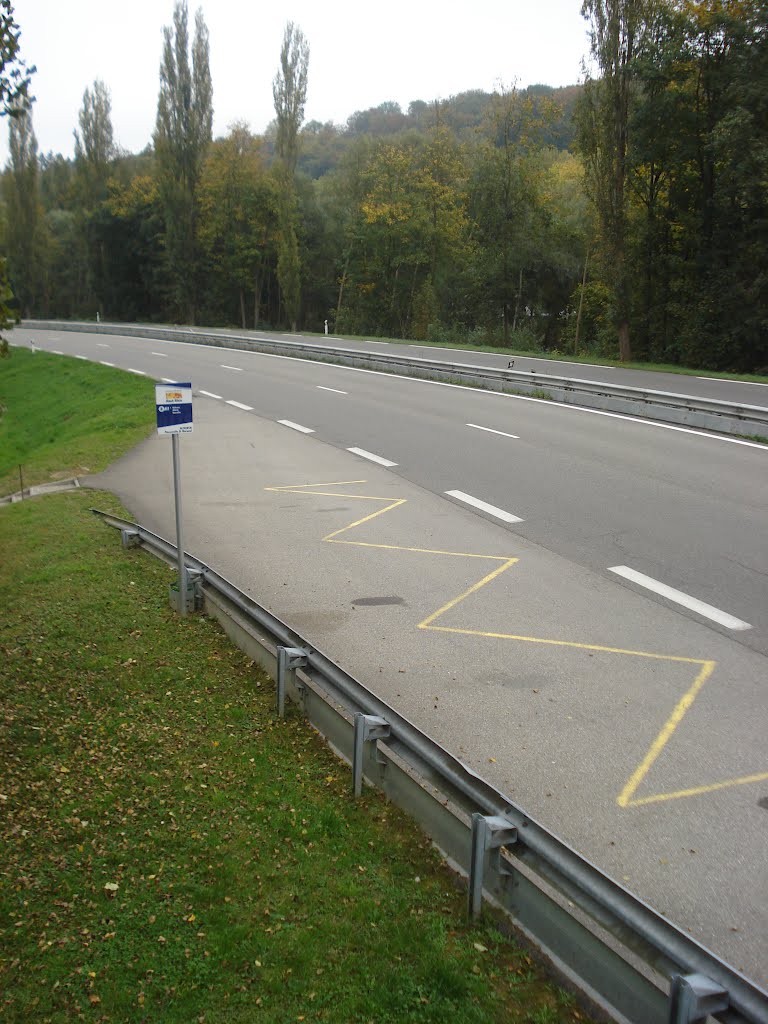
[[81, 357], [373, 458], [335, 390], [210, 394], [105, 363], [168, 380], [163, 355], [57, 352], [492, 510], [296, 426], [224, 366], [101, 344], [692, 603], [239, 405], [490, 430], [139, 372], [727, 380]]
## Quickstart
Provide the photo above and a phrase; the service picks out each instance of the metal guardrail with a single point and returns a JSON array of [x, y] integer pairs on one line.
[[706, 414], [625, 957]]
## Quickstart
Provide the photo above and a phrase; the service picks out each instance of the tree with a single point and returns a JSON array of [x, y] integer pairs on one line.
[[408, 236], [26, 224], [94, 153], [237, 220], [94, 143], [128, 229], [506, 207], [289, 91], [15, 80], [603, 129], [181, 139], [15, 77]]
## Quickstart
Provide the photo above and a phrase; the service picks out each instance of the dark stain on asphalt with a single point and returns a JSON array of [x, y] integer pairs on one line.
[[375, 601], [763, 802]]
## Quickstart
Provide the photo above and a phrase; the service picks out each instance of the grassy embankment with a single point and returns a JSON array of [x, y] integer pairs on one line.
[[171, 851], [63, 417]]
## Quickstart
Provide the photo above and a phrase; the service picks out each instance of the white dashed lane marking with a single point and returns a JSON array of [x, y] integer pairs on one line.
[[296, 426], [483, 506], [692, 603], [489, 430], [371, 457]]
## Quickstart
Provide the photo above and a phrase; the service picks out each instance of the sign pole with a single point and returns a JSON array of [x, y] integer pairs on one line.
[[179, 540], [174, 417]]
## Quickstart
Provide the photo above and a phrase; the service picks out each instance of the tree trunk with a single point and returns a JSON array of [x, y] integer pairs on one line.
[[517, 302], [242, 308], [625, 349], [258, 287], [505, 317], [581, 305], [343, 282]]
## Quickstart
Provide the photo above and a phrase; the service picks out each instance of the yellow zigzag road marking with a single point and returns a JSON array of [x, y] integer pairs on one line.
[[627, 796]]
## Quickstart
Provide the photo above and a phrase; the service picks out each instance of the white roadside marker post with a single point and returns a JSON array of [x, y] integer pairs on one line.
[[174, 417]]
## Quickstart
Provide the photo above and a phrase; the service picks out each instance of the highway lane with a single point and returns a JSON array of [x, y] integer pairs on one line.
[[589, 493], [682, 510]]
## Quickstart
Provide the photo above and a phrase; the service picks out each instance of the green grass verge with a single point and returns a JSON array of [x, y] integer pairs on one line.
[[172, 851], [62, 417]]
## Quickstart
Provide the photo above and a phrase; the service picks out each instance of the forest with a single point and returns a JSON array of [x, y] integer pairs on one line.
[[624, 217]]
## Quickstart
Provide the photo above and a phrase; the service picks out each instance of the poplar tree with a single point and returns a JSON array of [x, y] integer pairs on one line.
[[15, 79], [94, 153], [289, 91], [26, 223], [182, 136], [94, 143]]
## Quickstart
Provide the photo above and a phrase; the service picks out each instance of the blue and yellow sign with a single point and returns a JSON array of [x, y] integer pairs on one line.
[[174, 408]]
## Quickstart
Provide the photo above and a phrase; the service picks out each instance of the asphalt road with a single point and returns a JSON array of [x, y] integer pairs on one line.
[[629, 719]]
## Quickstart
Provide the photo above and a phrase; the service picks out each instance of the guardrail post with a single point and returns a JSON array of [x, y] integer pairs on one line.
[[130, 538], [195, 580], [693, 997], [489, 833], [288, 660], [367, 727]]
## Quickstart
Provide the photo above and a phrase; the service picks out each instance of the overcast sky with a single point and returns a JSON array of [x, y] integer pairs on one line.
[[361, 54]]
